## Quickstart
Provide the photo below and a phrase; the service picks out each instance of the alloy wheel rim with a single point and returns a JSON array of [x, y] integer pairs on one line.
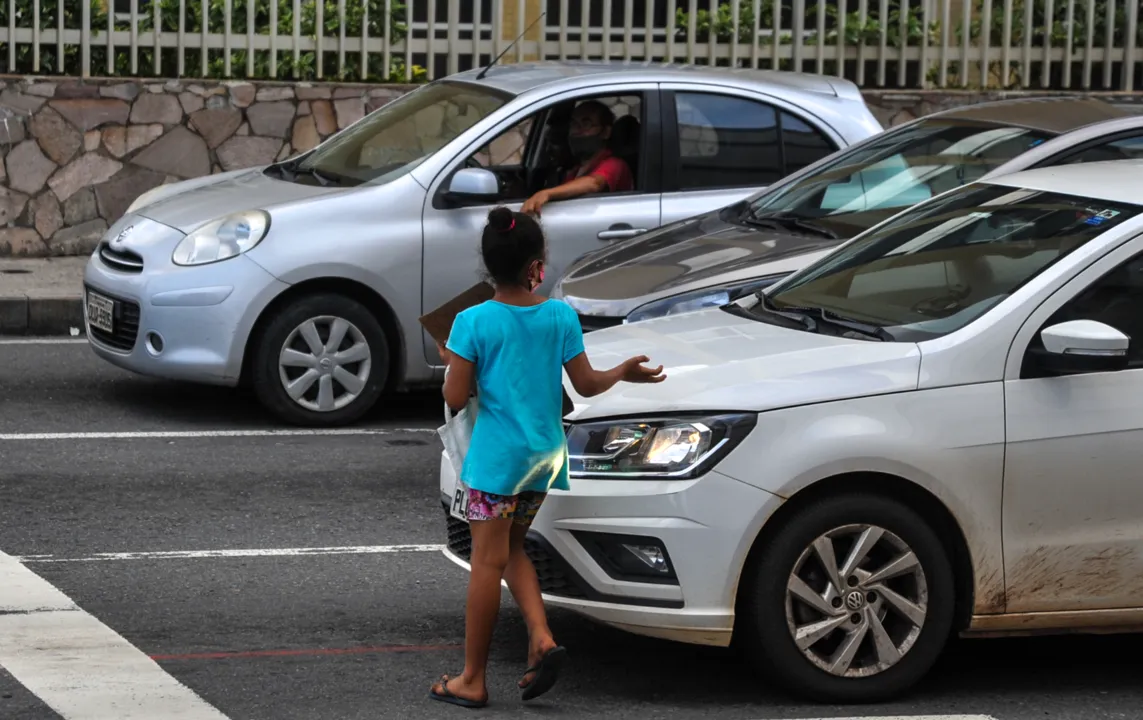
[[859, 616], [324, 363]]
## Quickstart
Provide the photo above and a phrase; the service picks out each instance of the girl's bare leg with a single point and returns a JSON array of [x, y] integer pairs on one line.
[[490, 557], [520, 575]]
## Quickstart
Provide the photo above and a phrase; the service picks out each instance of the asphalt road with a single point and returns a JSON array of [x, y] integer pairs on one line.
[[122, 525]]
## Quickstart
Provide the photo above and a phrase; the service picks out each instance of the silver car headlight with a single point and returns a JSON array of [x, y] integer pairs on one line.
[[716, 296], [223, 238], [656, 448]]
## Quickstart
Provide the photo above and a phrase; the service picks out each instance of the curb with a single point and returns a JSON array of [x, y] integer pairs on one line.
[[24, 315]]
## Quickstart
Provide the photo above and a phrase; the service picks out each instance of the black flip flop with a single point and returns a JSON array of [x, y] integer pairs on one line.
[[445, 696], [547, 672]]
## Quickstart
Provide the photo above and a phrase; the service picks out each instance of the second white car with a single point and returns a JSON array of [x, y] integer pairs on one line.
[[933, 430]]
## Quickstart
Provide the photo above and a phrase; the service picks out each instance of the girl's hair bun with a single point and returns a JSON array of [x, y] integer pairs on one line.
[[501, 219]]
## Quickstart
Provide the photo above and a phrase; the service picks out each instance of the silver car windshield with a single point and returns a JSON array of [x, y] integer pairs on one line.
[[398, 137], [868, 184], [939, 266]]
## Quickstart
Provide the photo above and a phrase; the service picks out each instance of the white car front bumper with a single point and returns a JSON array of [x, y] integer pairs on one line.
[[706, 526]]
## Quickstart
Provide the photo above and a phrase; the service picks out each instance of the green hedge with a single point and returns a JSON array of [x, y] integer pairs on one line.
[[868, 30], [306, 68]]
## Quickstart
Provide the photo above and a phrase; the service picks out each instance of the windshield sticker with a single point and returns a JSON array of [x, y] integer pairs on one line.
[[1034, 143], [1098, 218]]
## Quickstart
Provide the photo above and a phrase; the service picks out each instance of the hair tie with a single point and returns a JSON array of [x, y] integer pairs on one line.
[[511, 225]]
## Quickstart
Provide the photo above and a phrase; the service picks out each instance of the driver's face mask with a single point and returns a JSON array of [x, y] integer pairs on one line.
[[585, 137]]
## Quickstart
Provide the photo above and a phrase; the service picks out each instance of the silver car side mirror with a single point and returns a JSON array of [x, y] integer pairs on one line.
[[474, 184], [1083, 346]]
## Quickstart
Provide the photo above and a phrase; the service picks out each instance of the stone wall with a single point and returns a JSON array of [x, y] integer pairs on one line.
[[74, 155]]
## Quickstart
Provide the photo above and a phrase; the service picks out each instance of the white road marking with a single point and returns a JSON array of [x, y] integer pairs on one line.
[[906, 717], [240, 553], [43, 341], [190, 434], [78, 666]]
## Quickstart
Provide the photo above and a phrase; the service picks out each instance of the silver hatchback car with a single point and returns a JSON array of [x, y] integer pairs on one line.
[[306, 278]]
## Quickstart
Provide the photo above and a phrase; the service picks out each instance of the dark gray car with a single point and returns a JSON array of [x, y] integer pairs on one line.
[[712, 258]]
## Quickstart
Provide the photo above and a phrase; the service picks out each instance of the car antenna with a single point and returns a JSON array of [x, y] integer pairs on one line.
[[510, 46]]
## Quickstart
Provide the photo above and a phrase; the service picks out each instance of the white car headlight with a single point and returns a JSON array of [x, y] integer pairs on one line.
[[698, 299], [659, 448], [221, 239]]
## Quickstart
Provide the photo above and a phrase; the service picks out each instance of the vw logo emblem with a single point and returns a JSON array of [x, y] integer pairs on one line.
[[854, 600], [118, 241]]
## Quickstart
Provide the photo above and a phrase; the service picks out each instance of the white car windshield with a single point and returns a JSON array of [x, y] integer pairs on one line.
[[939, 266], [397, 137], [868, 184]]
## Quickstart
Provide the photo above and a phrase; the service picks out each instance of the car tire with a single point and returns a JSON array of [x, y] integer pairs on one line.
[[289, 328], [773, 611]]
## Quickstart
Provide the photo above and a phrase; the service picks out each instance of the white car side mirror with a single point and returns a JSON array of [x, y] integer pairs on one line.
[[1082, 346], [1085, 337]]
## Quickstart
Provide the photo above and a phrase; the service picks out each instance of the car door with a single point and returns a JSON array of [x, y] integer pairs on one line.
[[573, 227], [723, 144], [1073, 498]]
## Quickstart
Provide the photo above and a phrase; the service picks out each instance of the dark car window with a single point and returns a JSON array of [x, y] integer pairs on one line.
[[726, 142], [937, 267], [862, 186], [1122, 149], [802, 144]]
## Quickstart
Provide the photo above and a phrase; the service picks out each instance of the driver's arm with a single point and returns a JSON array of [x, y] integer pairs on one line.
[[571, 189]]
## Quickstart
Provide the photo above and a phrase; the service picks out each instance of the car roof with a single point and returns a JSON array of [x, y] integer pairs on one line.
[[1051, 114], [1113, 180], [518, 78]]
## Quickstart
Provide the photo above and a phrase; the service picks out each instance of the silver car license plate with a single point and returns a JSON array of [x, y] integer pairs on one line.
[[100, 312]]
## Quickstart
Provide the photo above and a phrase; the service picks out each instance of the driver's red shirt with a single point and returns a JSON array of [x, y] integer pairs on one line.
[[613, 170]]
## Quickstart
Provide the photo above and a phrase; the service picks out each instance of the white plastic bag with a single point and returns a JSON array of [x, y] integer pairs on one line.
[[456, 434]]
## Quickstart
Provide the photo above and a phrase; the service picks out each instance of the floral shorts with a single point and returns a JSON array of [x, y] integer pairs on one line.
[[521, 508]]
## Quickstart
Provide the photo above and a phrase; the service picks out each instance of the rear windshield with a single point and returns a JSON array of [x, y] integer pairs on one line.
[[939, 266], [870, 183]]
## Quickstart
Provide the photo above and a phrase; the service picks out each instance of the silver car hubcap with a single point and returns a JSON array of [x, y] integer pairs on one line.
[[325, 363], [856, 601]]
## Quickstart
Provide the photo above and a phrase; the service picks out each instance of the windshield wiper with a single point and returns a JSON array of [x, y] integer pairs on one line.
[[792, 320], [786, 221], [290, 171], [835, 319]]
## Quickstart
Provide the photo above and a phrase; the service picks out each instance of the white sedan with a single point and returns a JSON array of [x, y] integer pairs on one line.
[[935, 429]]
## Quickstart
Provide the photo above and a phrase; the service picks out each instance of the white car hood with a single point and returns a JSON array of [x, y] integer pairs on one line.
[[714, 360]]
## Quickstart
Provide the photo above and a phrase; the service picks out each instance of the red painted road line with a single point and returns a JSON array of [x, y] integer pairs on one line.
[[240, 654]]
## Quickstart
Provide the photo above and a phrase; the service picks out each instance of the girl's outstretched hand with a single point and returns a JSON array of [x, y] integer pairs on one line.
[[634, 371]]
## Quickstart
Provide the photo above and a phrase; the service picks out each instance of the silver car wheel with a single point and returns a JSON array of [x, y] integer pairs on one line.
[[858, 617], [324, 363]]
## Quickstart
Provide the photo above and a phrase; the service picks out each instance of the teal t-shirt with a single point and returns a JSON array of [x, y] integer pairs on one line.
[[518, 441]]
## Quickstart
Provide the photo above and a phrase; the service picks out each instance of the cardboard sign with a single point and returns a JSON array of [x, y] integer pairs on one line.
[[438, 323]]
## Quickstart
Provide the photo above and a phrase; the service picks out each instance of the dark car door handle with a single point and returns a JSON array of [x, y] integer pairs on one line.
[[620, 233]]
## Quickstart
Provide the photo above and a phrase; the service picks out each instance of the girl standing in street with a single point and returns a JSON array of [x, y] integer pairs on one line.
[[512, 351]]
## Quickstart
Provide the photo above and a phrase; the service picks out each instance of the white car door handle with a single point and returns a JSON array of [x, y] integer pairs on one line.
[[620, 233]]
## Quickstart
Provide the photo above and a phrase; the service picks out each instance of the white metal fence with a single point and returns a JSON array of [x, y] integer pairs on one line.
[[1058, 44]]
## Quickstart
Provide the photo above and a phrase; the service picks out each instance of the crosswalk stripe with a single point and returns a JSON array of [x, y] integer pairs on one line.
[[78, 666]]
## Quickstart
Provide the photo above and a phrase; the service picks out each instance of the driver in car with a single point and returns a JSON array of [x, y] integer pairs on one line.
[[598, 169]]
